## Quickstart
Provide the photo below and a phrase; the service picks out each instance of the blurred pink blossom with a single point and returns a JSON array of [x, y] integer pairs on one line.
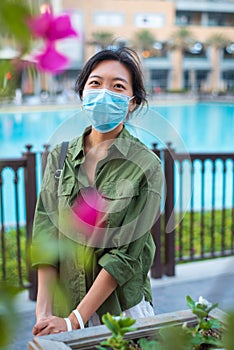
[[51, 60], [51, 29], [88, 210]]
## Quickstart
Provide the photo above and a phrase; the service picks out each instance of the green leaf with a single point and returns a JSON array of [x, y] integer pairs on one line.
[[8, 316], [211, 341], [199, 312], [126, 322], [213, 307], [190, 302], [13, 17], [214, 323], [124, 330], [175, 338], [197, 339], [228, 337], [149, 344], [109, 322], [99, 347]]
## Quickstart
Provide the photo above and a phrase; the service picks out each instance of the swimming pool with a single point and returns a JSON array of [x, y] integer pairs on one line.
[[200, 127], [193, 128]]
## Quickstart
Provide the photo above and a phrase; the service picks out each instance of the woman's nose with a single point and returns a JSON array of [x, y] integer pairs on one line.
[[106, 86]]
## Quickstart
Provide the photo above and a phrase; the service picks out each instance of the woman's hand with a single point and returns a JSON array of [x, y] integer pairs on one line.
[[50, 325]]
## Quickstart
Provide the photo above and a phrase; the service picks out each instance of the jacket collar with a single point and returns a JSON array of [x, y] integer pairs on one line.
[[122, 143]]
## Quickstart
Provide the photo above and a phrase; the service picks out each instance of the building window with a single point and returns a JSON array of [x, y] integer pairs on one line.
[[228, 77], [196, 18], [195, 79], [109, 19], [220, 19], [188, 18], [150, 20], [159, 78]]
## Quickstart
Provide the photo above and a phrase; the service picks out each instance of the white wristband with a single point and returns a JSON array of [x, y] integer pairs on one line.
[[68, 323], [79, 318]]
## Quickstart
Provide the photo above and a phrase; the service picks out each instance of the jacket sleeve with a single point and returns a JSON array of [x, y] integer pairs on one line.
[[134, 247], [44, 248]]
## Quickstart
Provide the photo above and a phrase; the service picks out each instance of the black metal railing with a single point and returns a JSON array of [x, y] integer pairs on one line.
[[26, 163], [215, 205], [196, 221], [199, 193]]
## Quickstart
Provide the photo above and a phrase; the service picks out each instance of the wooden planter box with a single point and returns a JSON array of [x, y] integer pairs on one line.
[[89, 338]]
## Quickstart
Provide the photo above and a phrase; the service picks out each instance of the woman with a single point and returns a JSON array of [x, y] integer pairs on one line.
[[100, 266]]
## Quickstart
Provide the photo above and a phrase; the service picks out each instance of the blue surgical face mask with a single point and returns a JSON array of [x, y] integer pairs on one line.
[[106, 109]]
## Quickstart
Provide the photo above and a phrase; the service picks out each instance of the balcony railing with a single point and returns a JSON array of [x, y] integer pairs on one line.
[[196, 221]]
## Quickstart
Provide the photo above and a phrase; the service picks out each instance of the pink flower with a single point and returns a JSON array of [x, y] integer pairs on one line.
[[52, 28], [61, 28], [88, 210], [40, 25], [51, 60]]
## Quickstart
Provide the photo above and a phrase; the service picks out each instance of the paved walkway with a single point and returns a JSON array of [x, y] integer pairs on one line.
[[212, 279]]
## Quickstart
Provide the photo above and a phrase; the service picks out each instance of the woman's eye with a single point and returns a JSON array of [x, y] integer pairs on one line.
[[93, 82], [120, 86]]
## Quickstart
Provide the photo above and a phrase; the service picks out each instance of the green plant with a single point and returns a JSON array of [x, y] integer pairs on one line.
[[205, 331], [8, 316], [118, 326], [204, 335], [228, 336], [11, 261], [213, 232], [166, 340]]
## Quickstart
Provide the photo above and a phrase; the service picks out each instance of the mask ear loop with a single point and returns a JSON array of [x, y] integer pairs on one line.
[[130, 111], [129, 103], [131, 126]]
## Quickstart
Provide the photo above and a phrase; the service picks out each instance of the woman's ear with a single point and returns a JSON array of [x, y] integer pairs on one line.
[[132, 105]]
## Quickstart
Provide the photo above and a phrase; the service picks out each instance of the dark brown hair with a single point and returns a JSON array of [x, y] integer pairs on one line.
[[124, 55]]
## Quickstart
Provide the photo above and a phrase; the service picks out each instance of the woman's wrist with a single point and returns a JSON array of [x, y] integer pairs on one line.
[[43, 309], [41, 315], [79, 318], [76, 319]]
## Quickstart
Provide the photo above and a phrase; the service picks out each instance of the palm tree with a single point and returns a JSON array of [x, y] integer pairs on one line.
[[102, 39], [143, 42], [180, 40], [216, 42]]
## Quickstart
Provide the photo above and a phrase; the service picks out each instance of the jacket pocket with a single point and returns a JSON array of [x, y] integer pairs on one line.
[[118, 197], [121, 189], [65, 194]]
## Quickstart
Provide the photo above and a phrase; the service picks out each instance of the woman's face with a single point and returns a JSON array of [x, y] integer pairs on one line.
[[114, 76]]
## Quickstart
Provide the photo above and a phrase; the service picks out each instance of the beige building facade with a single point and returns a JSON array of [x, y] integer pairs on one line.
[[200, 67], [192, 48]]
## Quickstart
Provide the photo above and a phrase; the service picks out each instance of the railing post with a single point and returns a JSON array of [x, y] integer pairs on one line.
[[169, 268], [156, 268], [30, 198]]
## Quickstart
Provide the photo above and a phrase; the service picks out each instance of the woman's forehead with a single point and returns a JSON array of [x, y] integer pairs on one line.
[[113, 68]]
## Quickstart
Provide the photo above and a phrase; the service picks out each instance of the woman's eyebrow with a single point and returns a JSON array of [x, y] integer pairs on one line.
[[114, 79], [121, 79], [94, 76]]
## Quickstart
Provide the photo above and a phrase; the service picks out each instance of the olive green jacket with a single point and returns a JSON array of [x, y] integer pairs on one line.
[[130, 181]]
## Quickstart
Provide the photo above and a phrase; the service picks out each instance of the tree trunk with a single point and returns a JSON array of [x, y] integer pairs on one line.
[[177, 75], [215, 75]]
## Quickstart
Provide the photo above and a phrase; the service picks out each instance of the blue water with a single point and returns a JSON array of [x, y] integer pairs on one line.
[[200, 127], [192, 128]]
